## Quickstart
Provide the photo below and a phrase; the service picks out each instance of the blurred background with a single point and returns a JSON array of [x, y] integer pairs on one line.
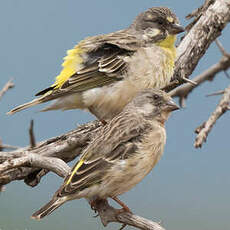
[[189, 188]]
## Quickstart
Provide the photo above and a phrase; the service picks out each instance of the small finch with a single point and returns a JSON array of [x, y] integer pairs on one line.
[[121, 154], [103, 73]]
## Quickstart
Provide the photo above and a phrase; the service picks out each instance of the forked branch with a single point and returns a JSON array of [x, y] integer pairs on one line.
[[184, 90], [204, 129]]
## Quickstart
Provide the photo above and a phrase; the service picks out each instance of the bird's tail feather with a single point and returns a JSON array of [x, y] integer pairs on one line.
[[46, 97], [48, 208], [25, 106]]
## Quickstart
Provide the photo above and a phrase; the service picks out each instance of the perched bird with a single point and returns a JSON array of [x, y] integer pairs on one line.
[[122, 153], [103, 73]]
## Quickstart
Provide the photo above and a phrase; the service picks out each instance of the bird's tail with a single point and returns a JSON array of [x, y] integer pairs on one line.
[[48, 96], [48, 208], [24, 106]]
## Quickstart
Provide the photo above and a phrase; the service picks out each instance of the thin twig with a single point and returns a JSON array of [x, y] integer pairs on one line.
[[1, 148], [226, 74], [10, 147], [4, 146], [189, 81], [197, 13], [221, 48], [220, 92], [204, 129], [184, 90], [31, 134], [8, 85]]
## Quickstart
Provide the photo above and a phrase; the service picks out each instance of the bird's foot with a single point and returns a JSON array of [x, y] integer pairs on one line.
[[124, 208], [103, 122], [94, 204]]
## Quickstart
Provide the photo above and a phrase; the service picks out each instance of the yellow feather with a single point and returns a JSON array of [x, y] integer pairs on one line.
[[70, 65], [80, 163], [168, 45], [168, 42]]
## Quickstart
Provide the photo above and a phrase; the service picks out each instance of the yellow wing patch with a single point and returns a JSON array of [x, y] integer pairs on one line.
[[70, 65], [80, 163]]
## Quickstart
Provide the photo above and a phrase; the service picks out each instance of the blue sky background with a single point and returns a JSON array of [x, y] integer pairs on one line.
[[189, 188]]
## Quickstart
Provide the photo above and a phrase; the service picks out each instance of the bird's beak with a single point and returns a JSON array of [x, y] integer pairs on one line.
[[176, 28], [171, 106]]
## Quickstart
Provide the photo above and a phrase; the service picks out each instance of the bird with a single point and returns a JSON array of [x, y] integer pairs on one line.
[[120, 154], [103, 73]]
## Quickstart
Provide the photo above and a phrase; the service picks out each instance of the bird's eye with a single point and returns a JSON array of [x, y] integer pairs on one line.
[[156, 97], [160, 22]]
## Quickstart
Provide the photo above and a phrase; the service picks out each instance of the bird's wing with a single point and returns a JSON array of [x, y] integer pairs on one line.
[[94, 62], [118, 140], [102, 67]]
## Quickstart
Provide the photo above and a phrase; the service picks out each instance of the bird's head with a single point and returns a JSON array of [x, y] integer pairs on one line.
[[157, 24], [154, 104]]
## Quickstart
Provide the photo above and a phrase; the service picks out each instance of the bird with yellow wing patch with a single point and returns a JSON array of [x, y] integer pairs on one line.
[[103, 73], [120, 154]]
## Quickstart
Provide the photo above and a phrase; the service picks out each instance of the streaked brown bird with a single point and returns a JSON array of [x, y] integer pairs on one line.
[[122, 153], [103, 73]]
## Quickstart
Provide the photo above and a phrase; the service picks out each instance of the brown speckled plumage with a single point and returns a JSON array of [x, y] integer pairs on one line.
[[121, 154]]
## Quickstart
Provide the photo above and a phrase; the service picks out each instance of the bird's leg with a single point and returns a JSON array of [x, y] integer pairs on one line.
[[103, 122], [125, 208], [94, 204], [96, 114]]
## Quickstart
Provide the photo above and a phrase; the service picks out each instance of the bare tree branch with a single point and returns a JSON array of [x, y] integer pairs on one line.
[[31, 164], [199, 38], [206, 127], [198, 13], [8, 85], [66, 147], [70, 145], [220, 92], [183, 91], [109, 214], [53, 164]]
